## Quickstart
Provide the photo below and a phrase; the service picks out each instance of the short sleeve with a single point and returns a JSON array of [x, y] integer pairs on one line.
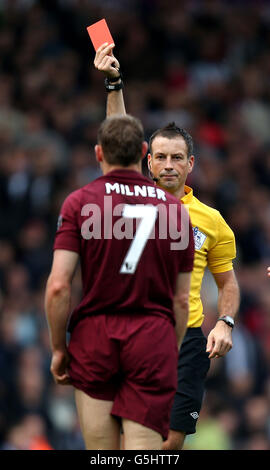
[[224, 251], [68, 235]]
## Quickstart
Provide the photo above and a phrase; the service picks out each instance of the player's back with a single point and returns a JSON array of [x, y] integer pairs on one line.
[[121, 225]]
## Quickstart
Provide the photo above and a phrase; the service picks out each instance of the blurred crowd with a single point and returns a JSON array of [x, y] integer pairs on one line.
[[204, 65]]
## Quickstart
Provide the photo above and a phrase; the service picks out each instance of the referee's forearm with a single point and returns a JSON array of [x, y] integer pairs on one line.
[[57, 307], [115, 103], [228, 299]]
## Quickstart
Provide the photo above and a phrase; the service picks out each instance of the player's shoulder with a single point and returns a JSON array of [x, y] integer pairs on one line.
[[73, 197], [89, 188], [77, 198]]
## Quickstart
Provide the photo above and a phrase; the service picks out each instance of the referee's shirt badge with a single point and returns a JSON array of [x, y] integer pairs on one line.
[[199, 238]]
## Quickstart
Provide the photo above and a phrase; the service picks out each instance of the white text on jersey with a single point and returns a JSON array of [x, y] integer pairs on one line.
[[136, 190]]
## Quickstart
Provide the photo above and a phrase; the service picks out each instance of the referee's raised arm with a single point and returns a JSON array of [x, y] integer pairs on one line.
[[107, 63]]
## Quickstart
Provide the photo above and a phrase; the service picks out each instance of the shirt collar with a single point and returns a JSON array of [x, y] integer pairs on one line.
[[187, 198], [118, 172]]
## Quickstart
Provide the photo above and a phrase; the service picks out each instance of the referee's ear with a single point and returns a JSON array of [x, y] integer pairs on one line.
[[191, 163], [99, 153]]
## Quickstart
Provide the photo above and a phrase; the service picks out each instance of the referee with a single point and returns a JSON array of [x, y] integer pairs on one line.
[[170, 161]]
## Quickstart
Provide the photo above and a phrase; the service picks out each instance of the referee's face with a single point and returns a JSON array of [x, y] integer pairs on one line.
[[169, 163]]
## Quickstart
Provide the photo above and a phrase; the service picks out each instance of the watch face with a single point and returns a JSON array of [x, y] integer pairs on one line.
[[229, 320]]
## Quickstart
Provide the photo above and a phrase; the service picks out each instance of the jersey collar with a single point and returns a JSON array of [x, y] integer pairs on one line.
[[187, 198]]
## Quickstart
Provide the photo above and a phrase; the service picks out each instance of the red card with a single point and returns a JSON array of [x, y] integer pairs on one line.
[[100, 33]]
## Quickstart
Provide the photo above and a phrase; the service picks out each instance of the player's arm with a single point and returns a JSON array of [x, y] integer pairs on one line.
[[107, 63], [181, 305], [220, 337], [57, 307]]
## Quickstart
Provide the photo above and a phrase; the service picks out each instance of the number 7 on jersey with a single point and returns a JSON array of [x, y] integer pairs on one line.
[[148, 215]]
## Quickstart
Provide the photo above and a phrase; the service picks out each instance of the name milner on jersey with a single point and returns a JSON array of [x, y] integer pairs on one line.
[[139, 191]]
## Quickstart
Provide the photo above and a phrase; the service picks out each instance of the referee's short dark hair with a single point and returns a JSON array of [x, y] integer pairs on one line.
[[121, 138], [171, 131]]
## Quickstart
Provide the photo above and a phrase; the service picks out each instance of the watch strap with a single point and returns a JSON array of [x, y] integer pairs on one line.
[[113, 86], [228, 320]]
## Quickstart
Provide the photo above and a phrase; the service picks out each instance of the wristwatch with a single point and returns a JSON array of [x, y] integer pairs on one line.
[[113, 86], [228, 320], [110, 84]]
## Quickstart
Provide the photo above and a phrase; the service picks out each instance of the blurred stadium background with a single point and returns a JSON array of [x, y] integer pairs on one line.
[[204, 64]]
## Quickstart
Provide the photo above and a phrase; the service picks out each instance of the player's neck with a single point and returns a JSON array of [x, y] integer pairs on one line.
[[106, 168]]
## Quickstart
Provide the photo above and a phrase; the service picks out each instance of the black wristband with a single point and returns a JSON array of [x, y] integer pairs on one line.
[[115, 79], [113, 86]]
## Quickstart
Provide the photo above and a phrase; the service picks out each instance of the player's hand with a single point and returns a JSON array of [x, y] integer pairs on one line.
[[174, 441], [59, 366], [268, 271], [219, 340], [106, 62]]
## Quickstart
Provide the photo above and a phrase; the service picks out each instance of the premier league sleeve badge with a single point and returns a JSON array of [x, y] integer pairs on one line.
[[199, 238]]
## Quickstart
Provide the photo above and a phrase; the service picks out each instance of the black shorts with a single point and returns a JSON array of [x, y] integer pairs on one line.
[[193, 365]]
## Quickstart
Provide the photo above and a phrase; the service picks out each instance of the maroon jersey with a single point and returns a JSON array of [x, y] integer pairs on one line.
[[125, 230]]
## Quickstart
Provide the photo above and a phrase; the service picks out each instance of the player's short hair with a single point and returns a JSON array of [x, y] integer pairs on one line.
[[171, 131], [121, 139]]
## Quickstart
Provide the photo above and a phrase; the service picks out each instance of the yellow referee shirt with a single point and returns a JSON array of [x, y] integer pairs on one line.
[[214, 248]]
